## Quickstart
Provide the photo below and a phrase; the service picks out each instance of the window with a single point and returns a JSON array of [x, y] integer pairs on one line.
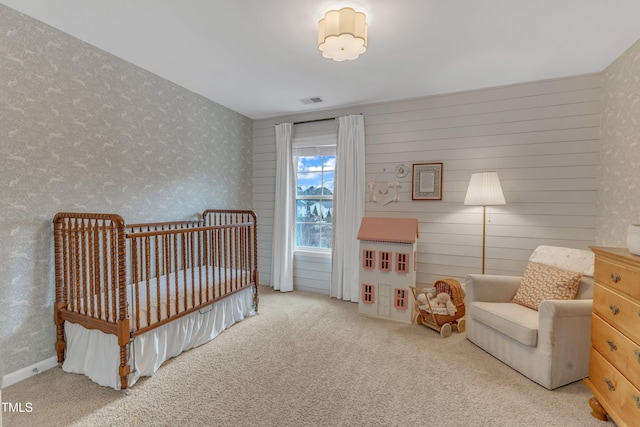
[[368, 259], [401, 263], [316, 161], [385, 261], [368, 293], [400, 301]]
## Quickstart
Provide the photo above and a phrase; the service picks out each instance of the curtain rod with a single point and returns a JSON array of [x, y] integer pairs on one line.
[[313, 121], [317, 120]]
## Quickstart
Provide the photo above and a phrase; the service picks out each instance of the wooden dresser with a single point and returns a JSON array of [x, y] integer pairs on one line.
[[614, 367]]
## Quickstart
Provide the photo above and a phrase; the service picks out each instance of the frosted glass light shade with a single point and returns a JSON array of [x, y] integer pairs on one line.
[[342, 34], [484, 190]]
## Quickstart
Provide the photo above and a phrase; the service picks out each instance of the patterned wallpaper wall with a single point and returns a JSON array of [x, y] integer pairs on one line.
[[82, 130], [619, 171]]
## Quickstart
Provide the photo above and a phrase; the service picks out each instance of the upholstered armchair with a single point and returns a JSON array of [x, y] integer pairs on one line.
[[549, 345]]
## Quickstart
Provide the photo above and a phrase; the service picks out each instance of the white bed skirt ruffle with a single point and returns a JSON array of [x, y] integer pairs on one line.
[[97, 355]]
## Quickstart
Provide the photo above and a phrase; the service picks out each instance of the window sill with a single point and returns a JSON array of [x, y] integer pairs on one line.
[[312, 253]]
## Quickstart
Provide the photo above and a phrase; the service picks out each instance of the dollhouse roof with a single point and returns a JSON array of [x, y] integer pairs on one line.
[[392, 230]]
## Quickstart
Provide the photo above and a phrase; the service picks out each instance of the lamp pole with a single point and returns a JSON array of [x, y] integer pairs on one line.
[[484, 233]]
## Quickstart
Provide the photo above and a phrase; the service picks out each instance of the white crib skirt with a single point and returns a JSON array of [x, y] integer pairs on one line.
[[97, 355]]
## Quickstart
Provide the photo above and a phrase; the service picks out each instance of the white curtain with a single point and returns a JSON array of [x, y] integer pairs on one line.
[[284, 220], [348, 208]]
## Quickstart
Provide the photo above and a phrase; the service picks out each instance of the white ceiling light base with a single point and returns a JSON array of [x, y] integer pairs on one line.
[[342, 34]]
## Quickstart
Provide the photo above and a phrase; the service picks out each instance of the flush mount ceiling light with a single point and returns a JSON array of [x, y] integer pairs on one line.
[[342, 34]]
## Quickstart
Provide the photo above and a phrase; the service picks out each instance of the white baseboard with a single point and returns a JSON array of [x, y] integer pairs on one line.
[[28, 372]]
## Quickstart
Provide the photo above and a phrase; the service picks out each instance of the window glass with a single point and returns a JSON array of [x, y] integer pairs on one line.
[[314, 201]]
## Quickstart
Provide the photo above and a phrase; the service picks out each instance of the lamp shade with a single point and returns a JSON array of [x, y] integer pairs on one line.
[[484, 190], [342, 34]]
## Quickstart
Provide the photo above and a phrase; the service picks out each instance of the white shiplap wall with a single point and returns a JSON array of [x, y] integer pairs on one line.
[[541, 138]]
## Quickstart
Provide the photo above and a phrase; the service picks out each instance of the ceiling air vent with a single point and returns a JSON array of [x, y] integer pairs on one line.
[[313, 100]]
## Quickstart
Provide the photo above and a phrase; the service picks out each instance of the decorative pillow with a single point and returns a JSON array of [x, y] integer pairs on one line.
[[542, 282]]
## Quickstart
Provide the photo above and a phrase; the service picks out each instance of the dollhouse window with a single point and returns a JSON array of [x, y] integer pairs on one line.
[[385, 261], [368, 293], [401, 263], [400, 300], [368, 259]]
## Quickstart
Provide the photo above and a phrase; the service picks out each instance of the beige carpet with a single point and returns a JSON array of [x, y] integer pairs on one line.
[[307, 360]]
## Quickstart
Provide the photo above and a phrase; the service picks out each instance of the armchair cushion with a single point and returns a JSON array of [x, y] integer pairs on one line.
[[543, 282], [514, 320]]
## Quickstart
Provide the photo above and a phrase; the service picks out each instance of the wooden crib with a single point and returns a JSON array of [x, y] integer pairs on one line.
[[126, 280]]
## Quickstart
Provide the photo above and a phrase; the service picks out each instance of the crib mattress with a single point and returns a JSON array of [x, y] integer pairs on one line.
[[215, 279], [97, 355]]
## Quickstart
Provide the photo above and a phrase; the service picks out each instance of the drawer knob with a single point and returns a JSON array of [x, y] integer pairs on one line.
[[610, 384], [615, 277], [637, 353], [612, 345], [637, 399], [614, 309]]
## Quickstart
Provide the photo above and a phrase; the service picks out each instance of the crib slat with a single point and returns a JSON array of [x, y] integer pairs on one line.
[[176, 275], [147, 269], [95, 267], [202, 273], [244, 254], [225, 257], [102, 252], [90, 270], [165, 269], [193, 270], [114, 273], [66, 266], [76, 285], [185, 272], [82, 295], [135, 275], [157, 275], [234, 256], [209, 264], [218, 263]]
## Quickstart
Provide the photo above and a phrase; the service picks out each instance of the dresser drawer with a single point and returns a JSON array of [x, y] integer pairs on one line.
[[621, 398], [621, 312], [617, 277], [619, 350]]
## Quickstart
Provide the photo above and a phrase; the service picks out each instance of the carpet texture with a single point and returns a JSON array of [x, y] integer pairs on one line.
[[308, 360]]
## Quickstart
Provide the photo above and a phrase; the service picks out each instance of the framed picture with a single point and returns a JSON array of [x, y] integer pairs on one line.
[[427, 181]]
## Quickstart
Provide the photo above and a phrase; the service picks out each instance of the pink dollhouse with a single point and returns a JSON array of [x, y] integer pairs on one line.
[[387, 267]]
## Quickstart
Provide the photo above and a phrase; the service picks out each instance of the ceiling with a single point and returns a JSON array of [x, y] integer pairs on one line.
[[260, 58]]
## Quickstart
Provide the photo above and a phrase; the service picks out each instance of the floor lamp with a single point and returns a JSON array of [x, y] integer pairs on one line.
[[484, 190]]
